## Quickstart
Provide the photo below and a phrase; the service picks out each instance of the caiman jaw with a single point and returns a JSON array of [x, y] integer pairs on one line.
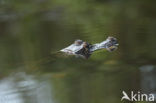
[[112, 48]]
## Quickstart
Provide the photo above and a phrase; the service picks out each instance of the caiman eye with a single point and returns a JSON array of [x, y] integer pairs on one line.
[[78, 42]]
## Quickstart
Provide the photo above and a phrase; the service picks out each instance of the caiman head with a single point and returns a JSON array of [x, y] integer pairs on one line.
[[84, 49]]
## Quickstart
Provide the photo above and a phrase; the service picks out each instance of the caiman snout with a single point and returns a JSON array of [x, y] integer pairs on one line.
[[112, 44]]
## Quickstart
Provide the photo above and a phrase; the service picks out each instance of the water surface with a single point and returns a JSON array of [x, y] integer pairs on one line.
[[31, 33]]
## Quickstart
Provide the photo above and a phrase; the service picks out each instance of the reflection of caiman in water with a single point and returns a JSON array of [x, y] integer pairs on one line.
[[84, 49]]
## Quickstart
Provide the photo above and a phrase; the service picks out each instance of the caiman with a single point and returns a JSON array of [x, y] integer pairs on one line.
[[84, 49]]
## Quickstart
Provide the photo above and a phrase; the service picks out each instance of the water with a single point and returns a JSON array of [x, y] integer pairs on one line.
[[32, 71]]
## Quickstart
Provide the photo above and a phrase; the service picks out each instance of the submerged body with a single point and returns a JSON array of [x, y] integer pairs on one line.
[[84, 49]]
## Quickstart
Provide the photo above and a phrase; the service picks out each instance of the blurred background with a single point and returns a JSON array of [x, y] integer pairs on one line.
[[32, 31]]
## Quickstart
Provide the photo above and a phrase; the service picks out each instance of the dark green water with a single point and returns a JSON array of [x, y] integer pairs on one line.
[[32, 31]]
